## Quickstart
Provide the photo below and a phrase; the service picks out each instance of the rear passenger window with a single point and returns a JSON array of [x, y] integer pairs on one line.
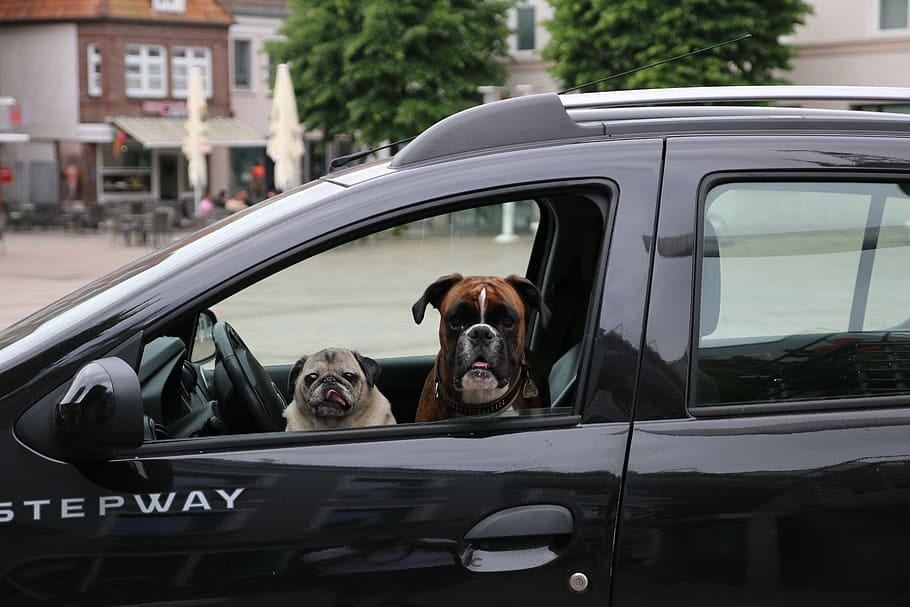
[[805, 293]]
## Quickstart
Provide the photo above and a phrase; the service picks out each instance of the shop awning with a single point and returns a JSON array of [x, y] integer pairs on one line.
[[154, 132]]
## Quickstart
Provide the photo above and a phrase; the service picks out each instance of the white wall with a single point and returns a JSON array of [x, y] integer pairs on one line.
[[252, 106], [841, 45], [38, 66], [526, 67]]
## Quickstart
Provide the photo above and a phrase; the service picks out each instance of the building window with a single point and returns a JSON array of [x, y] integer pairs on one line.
[[145, 71], [183, 60], [526, 28], [892, 14], [243, 63], [169, 6], [93, 62]]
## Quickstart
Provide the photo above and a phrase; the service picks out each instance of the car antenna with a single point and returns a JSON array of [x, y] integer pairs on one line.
[[661, 62], [343, 160]]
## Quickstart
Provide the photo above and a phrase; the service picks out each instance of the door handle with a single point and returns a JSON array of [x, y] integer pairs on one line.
[[517, 538]]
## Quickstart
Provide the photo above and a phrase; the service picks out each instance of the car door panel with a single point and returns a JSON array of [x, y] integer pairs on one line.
[[295, 523], [788, 508]]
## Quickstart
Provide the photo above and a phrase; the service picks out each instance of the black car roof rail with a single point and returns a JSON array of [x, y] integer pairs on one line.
[[552, 117], [514, 121]]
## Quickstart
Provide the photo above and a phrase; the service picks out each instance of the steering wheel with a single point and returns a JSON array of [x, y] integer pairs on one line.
[[250, 384]]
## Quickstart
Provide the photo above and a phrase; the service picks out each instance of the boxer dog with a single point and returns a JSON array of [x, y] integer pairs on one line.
[[336, 388], [483, 367]]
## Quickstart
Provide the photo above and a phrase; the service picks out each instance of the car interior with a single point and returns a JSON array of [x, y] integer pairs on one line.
[[199, 378]]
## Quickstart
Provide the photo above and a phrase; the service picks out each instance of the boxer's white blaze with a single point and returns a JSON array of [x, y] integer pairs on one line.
[[483, 304]]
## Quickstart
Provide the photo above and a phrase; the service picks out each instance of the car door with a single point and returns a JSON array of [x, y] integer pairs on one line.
[[503, 510], [777, 470]]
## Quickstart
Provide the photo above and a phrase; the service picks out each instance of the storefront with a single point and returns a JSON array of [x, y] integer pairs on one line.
[[144, 159]]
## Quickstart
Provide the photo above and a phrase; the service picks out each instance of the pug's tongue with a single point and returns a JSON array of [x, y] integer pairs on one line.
[[334, 396]]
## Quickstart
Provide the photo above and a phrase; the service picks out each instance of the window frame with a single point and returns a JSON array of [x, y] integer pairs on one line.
[[143, 61], [235, 62], [182, 58], [601, 193], [93, 62], [169, 6], [521, 13], [857, 402]]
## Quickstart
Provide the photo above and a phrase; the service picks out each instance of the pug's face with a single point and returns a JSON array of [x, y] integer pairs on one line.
[[333, 382]]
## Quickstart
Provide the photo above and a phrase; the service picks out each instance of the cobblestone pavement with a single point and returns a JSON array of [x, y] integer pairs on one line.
[[38, 267]]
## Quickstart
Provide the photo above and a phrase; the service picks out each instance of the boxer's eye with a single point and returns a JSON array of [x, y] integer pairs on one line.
[[508, 322]]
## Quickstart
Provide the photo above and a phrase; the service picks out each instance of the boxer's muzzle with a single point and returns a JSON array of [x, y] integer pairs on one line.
[[480, 359]]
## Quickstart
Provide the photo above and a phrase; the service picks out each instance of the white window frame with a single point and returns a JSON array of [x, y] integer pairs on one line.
[[249, 86], [183, 60], [147, 64], [169, 6], [93, 69], [890, 30]]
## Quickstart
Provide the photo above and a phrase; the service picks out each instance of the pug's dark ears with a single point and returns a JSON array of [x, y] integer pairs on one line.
[[370, 368], [434, 295], [292, 378], [531, 296]]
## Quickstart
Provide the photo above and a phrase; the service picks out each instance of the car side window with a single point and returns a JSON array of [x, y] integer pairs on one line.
[[359, 294], [804, 293], [384, 297]]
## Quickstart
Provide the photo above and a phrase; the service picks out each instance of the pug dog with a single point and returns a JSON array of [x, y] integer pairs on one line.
[[336, 388]]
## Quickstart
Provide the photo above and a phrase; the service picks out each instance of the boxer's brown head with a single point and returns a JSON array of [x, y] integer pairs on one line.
[[483, 322]]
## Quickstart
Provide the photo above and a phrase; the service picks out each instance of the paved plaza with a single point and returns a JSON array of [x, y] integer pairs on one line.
[[39, 266]]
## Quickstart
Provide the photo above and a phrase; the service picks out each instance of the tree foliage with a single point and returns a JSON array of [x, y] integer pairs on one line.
[[385, 70], [594, 39]]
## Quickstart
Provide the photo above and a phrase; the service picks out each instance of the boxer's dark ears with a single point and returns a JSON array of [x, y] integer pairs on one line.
[[531, 296], [371, 368], [292, 378], [433, 295]]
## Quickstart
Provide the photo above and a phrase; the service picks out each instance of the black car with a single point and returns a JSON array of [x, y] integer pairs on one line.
[[728, 356]]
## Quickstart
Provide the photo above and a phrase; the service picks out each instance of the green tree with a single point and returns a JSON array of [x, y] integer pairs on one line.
[[594, 39], [384, 70]]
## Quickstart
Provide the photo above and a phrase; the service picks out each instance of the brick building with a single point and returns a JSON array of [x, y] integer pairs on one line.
[[102, 85]]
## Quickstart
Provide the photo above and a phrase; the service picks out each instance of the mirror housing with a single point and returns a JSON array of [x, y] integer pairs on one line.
[[102, 410], [99, 415]]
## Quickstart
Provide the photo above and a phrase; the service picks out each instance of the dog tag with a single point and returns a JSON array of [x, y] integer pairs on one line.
[[530, 389]]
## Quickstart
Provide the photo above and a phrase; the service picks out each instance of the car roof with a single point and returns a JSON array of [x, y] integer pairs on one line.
[[551, 118]]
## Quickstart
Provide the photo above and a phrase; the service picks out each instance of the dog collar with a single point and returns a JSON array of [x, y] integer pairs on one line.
[[527, 387]]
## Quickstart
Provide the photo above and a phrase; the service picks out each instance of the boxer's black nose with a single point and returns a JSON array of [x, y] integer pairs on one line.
[[481, 333]]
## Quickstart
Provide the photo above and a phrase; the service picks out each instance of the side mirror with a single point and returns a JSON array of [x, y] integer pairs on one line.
[[203, 338], [99, 415]]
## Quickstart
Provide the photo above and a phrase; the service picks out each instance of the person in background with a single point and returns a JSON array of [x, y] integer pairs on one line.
[[206, 204], [257, 180], [237, 202], [71, 178], [221, 199]]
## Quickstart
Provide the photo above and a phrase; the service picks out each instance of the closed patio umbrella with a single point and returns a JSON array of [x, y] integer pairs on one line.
[[285, 145], [195, 140]]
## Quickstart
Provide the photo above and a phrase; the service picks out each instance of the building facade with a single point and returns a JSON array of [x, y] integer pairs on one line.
[[861, 42], [103, 88]]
